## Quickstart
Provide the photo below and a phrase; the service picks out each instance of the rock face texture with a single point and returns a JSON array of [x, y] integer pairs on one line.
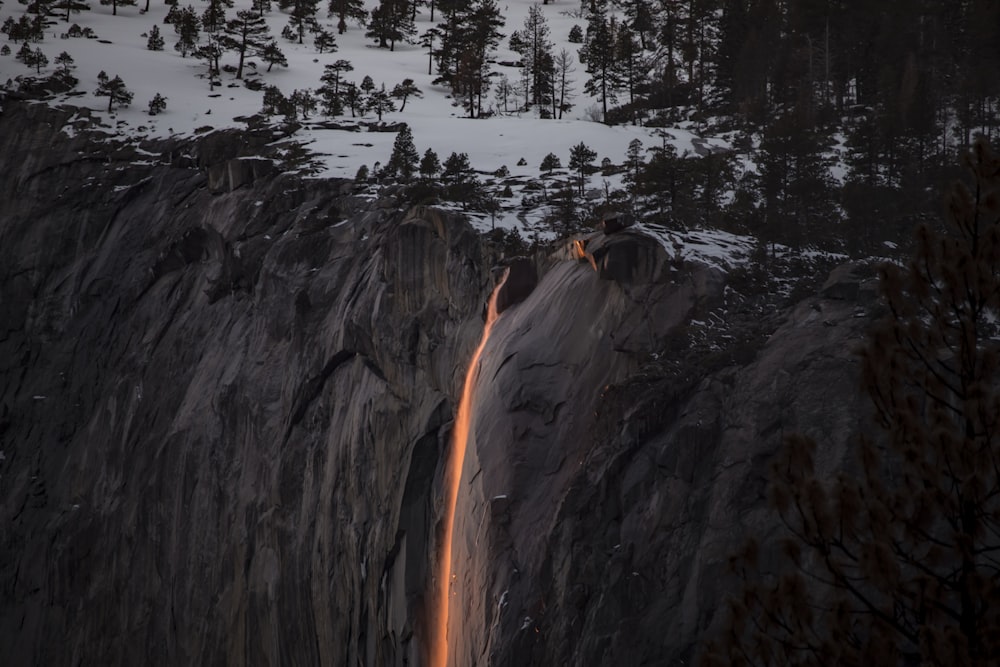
[[226, 396]]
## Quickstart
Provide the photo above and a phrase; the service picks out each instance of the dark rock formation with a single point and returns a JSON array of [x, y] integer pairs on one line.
[[226, 398]]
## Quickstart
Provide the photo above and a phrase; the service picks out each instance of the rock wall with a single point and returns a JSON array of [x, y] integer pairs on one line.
[[226, 398]]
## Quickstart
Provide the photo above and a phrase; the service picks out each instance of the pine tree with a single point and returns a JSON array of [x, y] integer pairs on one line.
[[634, 162], [430, 165], [261, 6], [115, 4], [575, 35], [274, 101], [533, 44], [550, 163], [188, 28], [157, 105], [563, 82], [380, 101], [25, 54], [404, 158], [36, 59], [302, 18], [302, 100], [210, 52], [273, 55], [631, 67], [461, 183], [324, 41], [155, 40], [214, 18], [353, 97], [391, 22], [427, 41], [114, 89], [65, 63], [247, 33], [330, 92], [581, 159], [894, 562], [347, 9], [598, 53], [403, 91]]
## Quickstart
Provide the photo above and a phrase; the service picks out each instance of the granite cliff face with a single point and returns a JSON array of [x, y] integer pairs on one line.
[[227, 394]]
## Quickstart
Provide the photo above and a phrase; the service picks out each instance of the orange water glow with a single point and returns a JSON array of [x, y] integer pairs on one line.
[[438, 654]]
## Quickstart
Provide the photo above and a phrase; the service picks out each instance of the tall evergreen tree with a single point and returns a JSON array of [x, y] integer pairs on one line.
[[155, 40], [246, 34], [581, 160], [273, 55], [598, 53], [301, 19], [391, 22], [188, 28], [114, 89], [346, 9], [404, 158], [405, 90], [430, 165], [535, 48], [214, 17]]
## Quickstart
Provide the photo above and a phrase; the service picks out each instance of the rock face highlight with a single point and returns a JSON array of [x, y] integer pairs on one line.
[[227, 394]]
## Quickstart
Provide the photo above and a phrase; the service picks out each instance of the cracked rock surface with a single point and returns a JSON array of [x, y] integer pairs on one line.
[[226, 395]]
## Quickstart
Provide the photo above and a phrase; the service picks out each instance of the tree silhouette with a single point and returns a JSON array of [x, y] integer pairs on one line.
[[898, 561]]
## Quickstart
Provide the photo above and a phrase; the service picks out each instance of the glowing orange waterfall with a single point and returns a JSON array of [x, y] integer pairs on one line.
[[453, 476]]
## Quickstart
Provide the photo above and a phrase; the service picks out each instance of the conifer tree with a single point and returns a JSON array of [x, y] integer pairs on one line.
[[324, 41], [404, 91], [114, 89], [157, 105], [380, 101], [261, 6], [65, 63], [895, 563], [247, 33], [302, 18], [598, 53], [346, 9], [562, 81], [430, 165], [214, 18], [533, 44], [391, 22], [461, 183], [210, 52], [155, 40], [330, 92], [404, 158], [36, 59], [188, 28], [274, 101], [581, 159], [273, 55], [550, 163]]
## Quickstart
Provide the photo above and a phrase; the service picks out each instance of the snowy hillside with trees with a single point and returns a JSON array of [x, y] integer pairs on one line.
[[786, 124]]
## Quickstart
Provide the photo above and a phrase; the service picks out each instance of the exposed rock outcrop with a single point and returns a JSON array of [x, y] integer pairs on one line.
[[227, 393]]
